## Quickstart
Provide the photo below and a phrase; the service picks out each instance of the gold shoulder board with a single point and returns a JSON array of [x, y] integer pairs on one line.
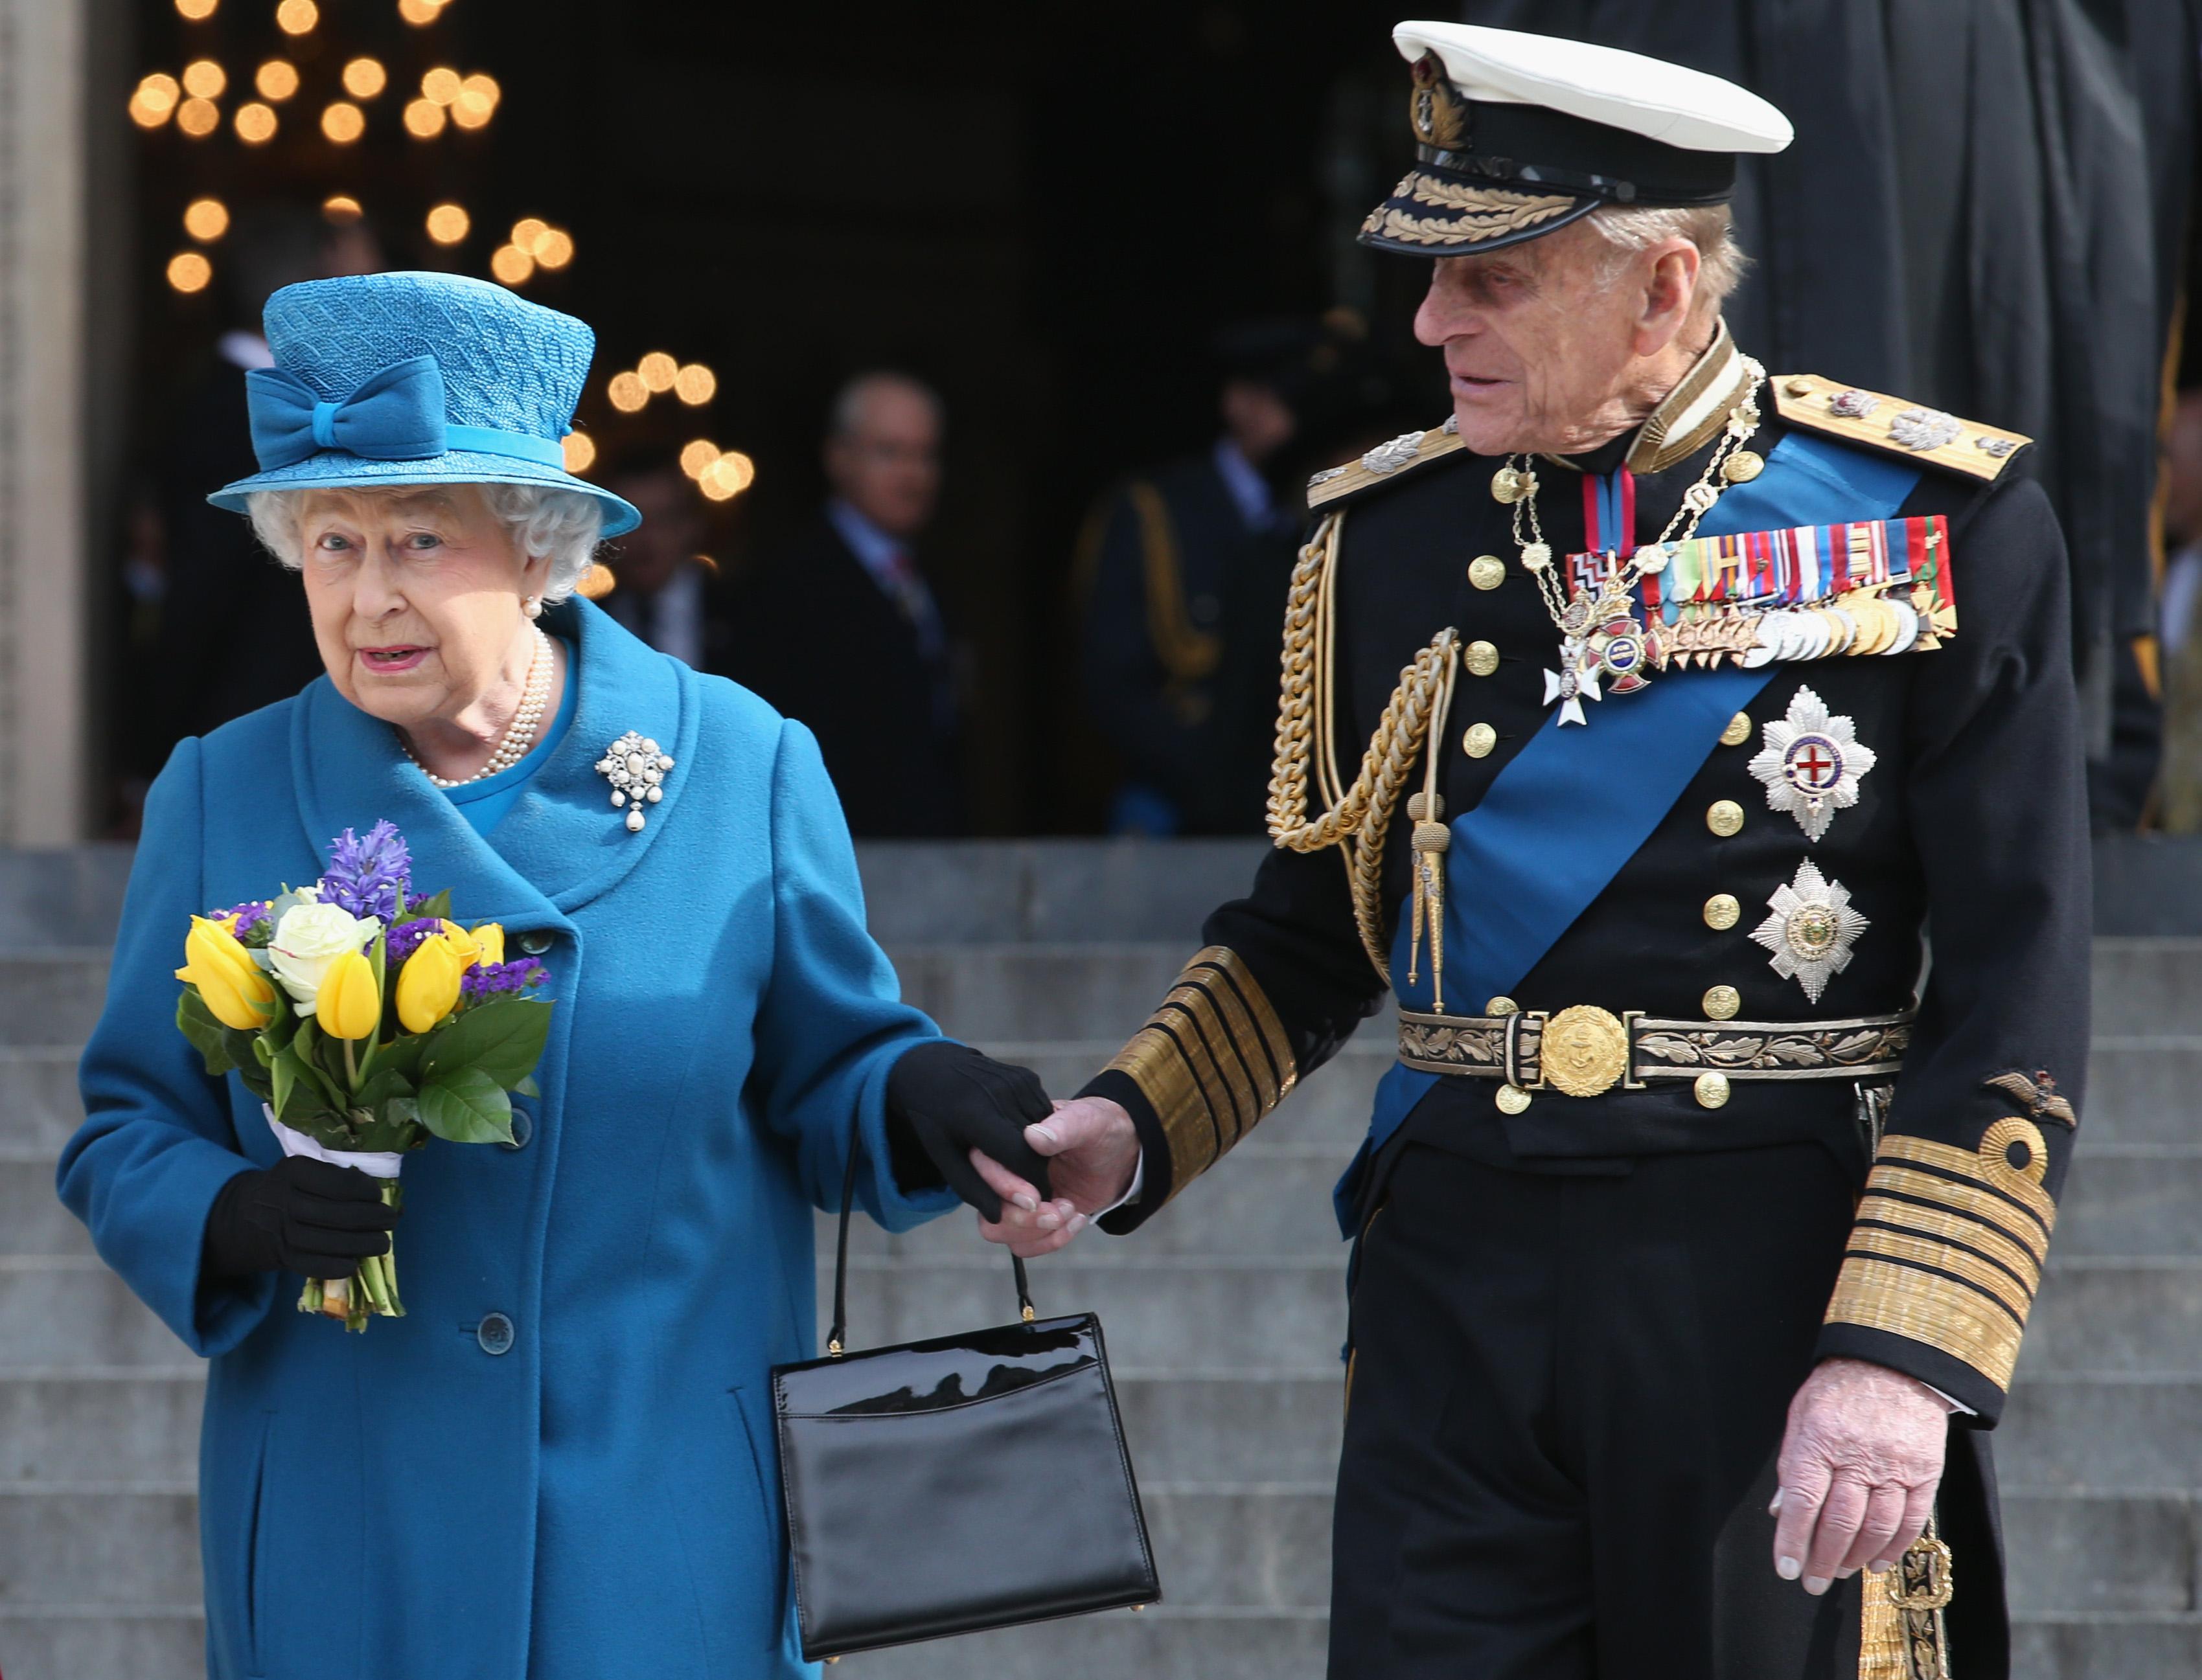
[[1383, 464], [1893, 426]]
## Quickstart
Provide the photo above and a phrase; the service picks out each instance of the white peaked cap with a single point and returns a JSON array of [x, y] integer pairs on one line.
[[1662, 101]]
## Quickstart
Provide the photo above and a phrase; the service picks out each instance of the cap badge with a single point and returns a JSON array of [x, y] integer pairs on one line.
[[1811, 763], [1438, 117], [1812, 930]]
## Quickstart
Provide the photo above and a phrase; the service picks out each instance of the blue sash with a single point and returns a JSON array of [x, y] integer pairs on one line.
[[1516, 878]]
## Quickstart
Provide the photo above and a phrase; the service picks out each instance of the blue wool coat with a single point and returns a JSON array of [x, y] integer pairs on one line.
[[600, 1499]]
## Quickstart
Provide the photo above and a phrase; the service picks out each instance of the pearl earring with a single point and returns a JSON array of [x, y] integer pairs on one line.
[[532, 605]]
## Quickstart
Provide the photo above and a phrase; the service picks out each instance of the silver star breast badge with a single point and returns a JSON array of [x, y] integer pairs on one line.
[[1812, 930], [1811, 763]]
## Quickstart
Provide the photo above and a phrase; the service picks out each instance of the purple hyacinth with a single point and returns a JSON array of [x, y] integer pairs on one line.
[[249, 915], [491, 979], [369, 877], [405, 938]]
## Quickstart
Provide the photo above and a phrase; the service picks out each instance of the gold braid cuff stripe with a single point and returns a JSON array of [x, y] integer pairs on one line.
[[1213, 1059], [1888, 1295], [1934, 1225], [1949, 1245], [1358, 818]]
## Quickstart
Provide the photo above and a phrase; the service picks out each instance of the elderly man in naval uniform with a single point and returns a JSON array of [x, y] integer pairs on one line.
[[1639, 718]]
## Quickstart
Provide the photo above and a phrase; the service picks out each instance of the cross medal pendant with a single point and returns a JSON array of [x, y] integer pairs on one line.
[[1602, 646]]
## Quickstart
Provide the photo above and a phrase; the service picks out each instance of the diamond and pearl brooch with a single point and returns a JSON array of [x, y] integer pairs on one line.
[[636, 769]]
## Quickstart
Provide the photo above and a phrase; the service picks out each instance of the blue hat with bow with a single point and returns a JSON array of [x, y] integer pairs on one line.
[[388, 379]]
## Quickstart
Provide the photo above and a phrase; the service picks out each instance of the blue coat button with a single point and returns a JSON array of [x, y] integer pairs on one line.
[[523, 1129], [535, 941], [495, 1334]]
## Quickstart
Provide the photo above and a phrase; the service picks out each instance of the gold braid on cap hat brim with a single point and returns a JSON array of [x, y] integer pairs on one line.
[[1476, 213], [1356, 818]]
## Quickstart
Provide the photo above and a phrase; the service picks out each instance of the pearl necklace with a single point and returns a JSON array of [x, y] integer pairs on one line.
[[519, 738]]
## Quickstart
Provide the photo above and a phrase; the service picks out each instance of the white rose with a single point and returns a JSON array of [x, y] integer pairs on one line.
[[308, 938]]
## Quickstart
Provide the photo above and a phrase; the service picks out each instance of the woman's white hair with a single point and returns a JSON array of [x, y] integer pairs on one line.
[[543, 520], [1709, 227]]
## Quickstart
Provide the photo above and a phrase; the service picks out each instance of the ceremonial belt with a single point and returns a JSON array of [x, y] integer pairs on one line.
[[1586, 1051]]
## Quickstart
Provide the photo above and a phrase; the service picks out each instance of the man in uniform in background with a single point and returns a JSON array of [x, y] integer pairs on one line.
[[840, 629], [1178, 565], [1694, 1249]]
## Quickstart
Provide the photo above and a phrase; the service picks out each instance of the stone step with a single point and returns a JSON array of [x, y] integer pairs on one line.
[[2147, 986], [2122, 1316], [2106, 1647], [1274, 1197], [99, 1543], [52, 997], [2140, 1089], [1039, 992], [85, 1425], [1167, 1642], [104, 1641], [2070, 1431], [2132, 1553], [1163, 1312], [39, 1108]]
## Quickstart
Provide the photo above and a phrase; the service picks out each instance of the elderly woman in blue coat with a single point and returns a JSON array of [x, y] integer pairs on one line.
[[561, 1462]]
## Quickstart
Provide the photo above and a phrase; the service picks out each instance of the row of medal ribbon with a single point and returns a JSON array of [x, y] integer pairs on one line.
[[1863, 587]]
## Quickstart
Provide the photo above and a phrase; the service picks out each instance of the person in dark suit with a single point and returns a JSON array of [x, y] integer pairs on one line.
[[233, 635], [665, 588], [840, 630]]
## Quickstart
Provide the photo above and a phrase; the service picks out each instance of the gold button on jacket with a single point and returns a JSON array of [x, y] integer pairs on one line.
[[1725, 818], [1487, 571]]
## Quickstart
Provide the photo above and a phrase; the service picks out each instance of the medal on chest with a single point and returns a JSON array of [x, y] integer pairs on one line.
[[1811, 763], [1608, 645]]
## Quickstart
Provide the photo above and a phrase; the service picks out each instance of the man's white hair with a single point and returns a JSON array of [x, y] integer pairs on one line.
[[542, 520], [1709, 227]]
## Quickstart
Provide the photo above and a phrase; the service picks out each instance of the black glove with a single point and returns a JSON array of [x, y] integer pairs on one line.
[[952, 1100], [300, 1215]]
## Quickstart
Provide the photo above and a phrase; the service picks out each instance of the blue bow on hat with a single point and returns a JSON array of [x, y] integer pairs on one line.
[[407, 379], [395, 414]]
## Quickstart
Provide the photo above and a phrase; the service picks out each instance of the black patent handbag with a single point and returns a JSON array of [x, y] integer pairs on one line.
[[950, 1486]]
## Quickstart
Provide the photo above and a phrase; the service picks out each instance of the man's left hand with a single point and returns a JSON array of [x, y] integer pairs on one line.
[[1859, 1465]]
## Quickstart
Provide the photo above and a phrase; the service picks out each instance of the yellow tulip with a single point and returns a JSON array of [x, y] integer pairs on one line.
[[348, 1006], [428, 983], [235, 990], [489, 938]]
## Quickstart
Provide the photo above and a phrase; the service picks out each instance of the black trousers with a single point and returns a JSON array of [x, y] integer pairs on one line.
[[1566, 1397]]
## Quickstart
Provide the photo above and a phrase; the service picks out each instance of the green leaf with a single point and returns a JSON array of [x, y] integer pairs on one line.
[[466, 1105], [321, 1057], [209, 1036], [436, 908], [527, 1087], [395, 1126], [501, 1038], [384, 1085]]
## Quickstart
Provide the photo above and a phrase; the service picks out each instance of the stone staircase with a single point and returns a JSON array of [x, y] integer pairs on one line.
[[1224, 1317]]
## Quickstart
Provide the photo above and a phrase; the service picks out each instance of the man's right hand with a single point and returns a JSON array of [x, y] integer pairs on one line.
[[1092, 1150]]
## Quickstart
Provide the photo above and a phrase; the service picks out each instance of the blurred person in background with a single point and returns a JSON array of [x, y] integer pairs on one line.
[[665, 589], [1183, 570], [233, 635], [840, 629], [2180, 796]]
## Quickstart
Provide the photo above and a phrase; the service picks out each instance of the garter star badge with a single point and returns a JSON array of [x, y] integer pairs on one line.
[[1812, 930], [1811, 763]]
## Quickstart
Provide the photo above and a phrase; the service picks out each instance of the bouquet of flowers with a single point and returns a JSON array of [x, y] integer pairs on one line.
[[367, 1022]]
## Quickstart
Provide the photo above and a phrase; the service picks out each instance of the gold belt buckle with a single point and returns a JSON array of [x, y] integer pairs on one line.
[[1583, 1052]]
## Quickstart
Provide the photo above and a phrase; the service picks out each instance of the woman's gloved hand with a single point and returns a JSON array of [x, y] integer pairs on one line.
[[300, 1215], [952, 1100]]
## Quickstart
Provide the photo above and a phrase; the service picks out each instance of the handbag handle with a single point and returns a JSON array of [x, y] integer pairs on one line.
[[834, 1341]]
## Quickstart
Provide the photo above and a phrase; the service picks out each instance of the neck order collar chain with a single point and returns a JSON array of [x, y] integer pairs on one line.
[[519, 736], [1601, 637]]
